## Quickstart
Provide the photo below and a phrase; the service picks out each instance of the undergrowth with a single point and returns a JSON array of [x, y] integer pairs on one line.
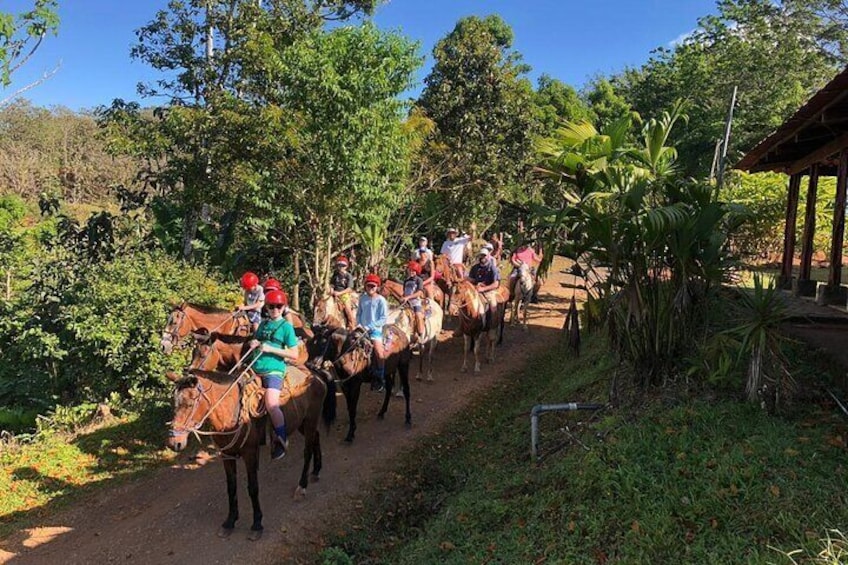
[[708, 479]]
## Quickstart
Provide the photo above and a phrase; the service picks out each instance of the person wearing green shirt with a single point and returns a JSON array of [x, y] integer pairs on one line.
[[276, 345]]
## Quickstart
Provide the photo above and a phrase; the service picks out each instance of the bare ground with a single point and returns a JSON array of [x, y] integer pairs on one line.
[[172, 515]]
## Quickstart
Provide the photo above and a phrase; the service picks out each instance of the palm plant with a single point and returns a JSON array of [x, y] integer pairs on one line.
[[622, 205]]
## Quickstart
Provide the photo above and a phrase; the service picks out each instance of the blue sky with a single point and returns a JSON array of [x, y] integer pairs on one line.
[[572, 40]]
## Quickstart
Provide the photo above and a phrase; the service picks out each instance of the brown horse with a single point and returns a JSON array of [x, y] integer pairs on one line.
[[470, 305], [394, 289], [349, 354], [187, 318], [404, 318], [221, 352], [232, 407]]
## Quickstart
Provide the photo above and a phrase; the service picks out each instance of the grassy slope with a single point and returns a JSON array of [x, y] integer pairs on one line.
[[686, 481]]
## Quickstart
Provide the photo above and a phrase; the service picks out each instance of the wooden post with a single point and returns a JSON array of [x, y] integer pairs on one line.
[[835, 277], [809, 225], [789, 230]]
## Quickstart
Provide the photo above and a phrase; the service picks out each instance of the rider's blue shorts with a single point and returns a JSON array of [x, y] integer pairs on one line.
[[375, 334], [273, 380]]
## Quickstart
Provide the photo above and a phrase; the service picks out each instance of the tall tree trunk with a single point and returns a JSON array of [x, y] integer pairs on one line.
[[296, 286], [190, 220], [8, 285], [755, 370]]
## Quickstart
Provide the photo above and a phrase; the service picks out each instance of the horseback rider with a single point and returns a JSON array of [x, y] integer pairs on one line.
[[527, 255], [254, 299], [486, 277], [276, 344], [273, 284], [371, 315], [341, 288], [413, 292], [454, 248], [424, 255]]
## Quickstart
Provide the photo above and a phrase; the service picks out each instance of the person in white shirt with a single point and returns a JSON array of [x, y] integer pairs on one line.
[[454, 248]]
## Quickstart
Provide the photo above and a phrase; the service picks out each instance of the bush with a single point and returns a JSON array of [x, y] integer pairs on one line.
[[100, 334]]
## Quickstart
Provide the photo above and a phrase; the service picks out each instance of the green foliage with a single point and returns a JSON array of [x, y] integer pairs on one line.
[[607, 105], [764, 197], [622, 205], [556, 102], [684, 481], [21, 34], [776, 53], [482, 106]]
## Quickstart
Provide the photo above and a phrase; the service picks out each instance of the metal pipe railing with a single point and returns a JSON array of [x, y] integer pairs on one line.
[[540, 409]]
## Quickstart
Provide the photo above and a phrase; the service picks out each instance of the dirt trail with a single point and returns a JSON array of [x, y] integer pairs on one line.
[[173, 514]]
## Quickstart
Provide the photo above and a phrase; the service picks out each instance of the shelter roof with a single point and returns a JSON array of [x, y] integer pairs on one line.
[[814, 134]]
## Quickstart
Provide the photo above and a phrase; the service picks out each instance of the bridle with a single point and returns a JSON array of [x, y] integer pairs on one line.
[[173, 337]]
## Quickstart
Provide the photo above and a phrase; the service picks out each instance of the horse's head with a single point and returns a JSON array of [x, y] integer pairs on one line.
[[525, 277], [174, 330], [204, 354], [463, 295], [189, 397]]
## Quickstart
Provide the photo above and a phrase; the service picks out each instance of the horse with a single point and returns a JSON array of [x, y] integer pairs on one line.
[[469, 305], [349, 355], [394, 289], [187, 318], [221, 352], [328, 312], [404, 318], [520, 292], [232, 407]]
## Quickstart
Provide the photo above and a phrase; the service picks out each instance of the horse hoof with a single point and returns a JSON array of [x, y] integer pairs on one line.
[[464, 370], [477, 369], [381, 416], [430, 378], [348, 439], [254, 535], [417, 377], [408, 424], [299, 492], [224, 533], [314, 478]]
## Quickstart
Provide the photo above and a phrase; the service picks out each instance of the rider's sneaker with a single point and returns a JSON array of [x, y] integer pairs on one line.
[[279, 449]]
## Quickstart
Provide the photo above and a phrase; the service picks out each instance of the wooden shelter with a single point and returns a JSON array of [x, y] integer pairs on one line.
[[813, 143]]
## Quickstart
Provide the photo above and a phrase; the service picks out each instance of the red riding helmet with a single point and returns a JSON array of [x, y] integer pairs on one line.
[[373, 279], [249, 280], [342, 260], [277, 296], [414, 266], [272, 284]]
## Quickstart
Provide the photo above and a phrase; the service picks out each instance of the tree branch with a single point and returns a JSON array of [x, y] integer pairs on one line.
[[44, 77]]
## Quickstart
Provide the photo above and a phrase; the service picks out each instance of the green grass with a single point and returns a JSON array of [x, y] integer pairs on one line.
[[57, 468], [682, 481]]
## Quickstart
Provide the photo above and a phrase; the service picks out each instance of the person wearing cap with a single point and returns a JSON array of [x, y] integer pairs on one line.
[[413, 292], [341, 288], [371, 315], [486, 276], [424, 256], [490, 248], [454, 248], [254, 299]]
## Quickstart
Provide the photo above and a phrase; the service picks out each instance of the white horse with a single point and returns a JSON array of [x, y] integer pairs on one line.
[[404, 318], [521, 291]]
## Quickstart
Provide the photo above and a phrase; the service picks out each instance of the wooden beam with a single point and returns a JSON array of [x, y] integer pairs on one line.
[[838, 237], [809, 225], [789, 227], [819, 155]]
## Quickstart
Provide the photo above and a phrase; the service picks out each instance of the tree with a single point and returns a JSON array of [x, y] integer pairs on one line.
[[556, 102], [481, 104], [20, 37], [776, 53], [606, 103]]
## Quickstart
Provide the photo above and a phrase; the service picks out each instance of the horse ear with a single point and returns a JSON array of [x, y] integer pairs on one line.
[[172, 376]]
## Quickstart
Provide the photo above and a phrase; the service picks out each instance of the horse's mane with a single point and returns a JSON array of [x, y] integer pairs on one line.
[[205, 309], [231, 339], [217, 377]]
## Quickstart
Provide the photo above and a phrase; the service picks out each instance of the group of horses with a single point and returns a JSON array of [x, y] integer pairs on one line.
[[217, 391]]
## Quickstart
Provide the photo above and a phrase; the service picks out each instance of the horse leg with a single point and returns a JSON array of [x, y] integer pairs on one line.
[[351, 392], [524, 308], [421, 361], [477, 340], [403, 369], [433, 344], [232, 495], [390, 382], [251, 463], [465, 347], [308, 442], [316, 454]]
